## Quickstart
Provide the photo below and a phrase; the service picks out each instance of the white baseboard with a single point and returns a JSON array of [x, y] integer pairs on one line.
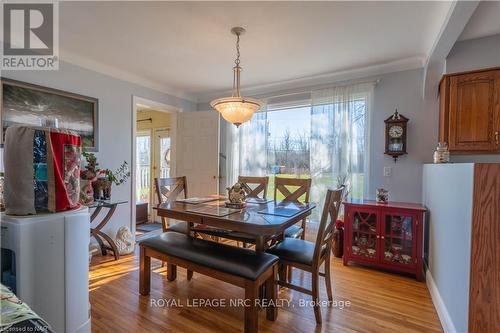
[[444, 316]]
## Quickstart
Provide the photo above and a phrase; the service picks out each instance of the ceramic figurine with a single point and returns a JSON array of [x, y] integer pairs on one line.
[[236, 196], [382, 195], [406, 258], [124, 240]]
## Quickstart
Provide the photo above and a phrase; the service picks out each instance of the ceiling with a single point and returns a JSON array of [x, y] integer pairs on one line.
[[185, 48], [484, 22]]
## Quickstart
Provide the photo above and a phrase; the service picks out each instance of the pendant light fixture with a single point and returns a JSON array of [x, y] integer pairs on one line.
[[236, 109]]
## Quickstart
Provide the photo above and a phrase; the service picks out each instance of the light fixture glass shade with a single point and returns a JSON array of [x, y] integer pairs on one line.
[[236, 110]]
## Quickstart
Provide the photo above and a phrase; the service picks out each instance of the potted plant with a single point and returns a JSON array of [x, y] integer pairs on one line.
[[338, 239], [107, 177]]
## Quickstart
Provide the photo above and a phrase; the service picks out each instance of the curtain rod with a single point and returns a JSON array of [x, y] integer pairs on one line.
[[325, 86]]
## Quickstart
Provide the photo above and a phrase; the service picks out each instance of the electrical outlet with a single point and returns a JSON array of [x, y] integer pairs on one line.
[[387, 171]]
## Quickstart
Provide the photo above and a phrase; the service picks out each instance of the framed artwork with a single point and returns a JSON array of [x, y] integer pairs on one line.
[[28, 104]]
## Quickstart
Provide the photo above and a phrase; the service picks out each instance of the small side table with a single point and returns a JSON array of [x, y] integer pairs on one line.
[[97, 233]]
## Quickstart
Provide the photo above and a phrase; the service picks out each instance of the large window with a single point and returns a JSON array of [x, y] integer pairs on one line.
[[324, 137]]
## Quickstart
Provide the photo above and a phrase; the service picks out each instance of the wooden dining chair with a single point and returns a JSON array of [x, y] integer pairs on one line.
[[167, 191], [297, 191], [310, 256], [258, 191]]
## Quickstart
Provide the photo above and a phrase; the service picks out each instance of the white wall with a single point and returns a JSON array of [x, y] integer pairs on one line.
[[115, 118], [471, 55]]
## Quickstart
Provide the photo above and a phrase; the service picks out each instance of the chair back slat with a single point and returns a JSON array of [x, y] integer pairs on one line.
[[324, 239], [168, 189], [293, 189], [257, 191]]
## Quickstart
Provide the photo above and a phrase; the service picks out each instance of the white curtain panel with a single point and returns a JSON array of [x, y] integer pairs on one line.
[[246, 152], [340, 119], [232, 164], [253, 145], [339, 140]]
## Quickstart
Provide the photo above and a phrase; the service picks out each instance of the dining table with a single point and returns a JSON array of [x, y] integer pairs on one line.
[[255, 219]]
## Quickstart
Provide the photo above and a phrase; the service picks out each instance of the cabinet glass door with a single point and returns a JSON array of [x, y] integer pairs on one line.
[[398, 239], [364, 235]]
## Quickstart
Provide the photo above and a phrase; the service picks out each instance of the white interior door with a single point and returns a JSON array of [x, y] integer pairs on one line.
[[198, 152], [162, 147]]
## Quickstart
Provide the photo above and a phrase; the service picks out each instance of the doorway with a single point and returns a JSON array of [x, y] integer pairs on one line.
[[154, 157]]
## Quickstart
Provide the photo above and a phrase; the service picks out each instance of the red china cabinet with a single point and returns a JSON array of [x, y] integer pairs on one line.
[[387, 236]]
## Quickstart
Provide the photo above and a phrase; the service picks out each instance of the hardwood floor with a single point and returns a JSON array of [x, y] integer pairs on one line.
[[379, 302]]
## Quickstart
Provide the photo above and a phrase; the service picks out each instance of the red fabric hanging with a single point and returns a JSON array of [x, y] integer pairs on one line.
[[65, 173]]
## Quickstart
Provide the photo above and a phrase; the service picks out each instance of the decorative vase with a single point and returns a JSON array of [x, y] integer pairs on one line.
[[442, 154], [338, 242], [102, 189]]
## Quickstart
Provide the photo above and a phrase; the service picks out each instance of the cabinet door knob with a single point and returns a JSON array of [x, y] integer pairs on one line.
[[496, 137], [378, 236]]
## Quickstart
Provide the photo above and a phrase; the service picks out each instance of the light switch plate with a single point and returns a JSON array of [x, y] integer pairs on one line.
[[387, 171]]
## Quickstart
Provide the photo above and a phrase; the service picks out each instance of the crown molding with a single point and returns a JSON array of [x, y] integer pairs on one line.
[[262, 89], [321, 79], [120, 74]]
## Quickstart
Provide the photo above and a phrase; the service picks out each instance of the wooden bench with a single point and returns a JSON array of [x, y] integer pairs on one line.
[[241, 267]]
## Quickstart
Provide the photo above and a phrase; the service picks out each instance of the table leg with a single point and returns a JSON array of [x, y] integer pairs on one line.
[[95, 213], [260, 244], [98, 234], [99, 241], [110, 241], [188, 232]]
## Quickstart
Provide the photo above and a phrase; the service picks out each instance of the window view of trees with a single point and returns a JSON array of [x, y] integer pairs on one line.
[[290, 153], [333, 148], [289, 141]]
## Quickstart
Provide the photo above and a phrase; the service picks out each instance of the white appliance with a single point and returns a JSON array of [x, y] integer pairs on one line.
[[45, 261]]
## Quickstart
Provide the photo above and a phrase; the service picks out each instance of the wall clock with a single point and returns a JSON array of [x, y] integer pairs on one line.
[[395, 135]]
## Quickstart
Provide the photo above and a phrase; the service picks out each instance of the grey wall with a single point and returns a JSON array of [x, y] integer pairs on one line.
[[474, 54], [471, 55], [402, 90], [115, 118], [447, 193]]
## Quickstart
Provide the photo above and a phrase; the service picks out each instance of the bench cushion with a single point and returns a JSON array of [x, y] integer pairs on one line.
[[237, 261]]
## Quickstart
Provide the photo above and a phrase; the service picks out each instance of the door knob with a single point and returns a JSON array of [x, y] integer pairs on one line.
[[496, 137]]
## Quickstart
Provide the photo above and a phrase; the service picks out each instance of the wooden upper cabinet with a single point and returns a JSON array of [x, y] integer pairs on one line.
[[470, 111]]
